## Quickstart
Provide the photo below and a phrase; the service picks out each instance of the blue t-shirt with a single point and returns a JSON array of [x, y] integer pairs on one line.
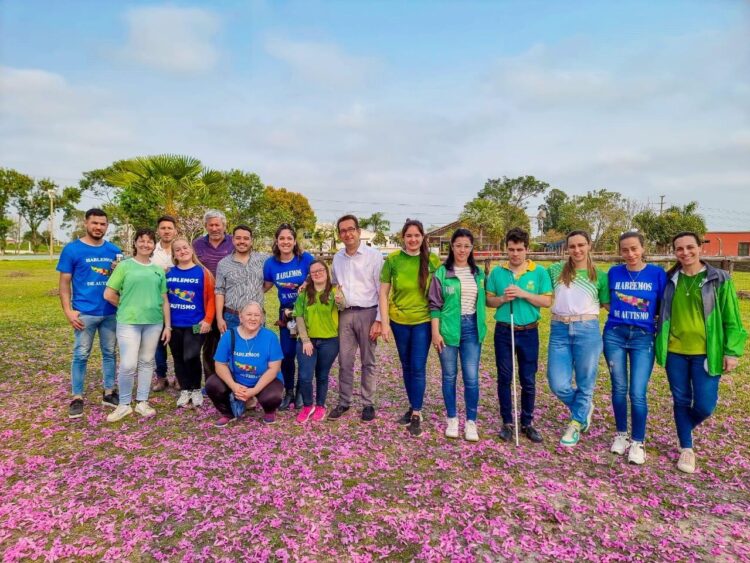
[[634, 297], [90, 268], [186, 294], [287, 276], [251, 357]]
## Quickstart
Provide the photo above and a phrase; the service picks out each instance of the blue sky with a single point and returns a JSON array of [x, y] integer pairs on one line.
[[401, 107]]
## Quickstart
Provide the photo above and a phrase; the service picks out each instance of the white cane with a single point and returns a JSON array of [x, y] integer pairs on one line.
[[513, 376]]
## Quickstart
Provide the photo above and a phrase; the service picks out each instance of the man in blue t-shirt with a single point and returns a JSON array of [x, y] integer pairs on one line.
[[85, 266]]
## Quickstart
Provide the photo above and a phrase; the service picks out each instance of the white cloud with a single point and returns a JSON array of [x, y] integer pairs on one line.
[[324, 64], [172, 39]]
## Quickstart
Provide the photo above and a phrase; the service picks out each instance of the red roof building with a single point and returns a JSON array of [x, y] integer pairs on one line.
[[726, 243]]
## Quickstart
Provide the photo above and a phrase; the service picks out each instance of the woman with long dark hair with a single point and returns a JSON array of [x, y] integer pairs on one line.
[[405, 313], [457, 309], [575, 342], [635, 291], [287, 269], [700, 337]]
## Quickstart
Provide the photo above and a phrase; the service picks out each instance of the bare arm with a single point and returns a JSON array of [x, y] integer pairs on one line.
[[166, 334], [268, 376], [385, 290], [65, 300], [111, 296], [267, 285], [220, 322]]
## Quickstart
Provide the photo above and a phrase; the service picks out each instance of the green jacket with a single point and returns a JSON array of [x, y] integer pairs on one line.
[[725, 335], [444, 297]]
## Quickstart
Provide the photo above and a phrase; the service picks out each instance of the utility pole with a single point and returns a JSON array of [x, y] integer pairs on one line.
[[51, 194], [661, 204]]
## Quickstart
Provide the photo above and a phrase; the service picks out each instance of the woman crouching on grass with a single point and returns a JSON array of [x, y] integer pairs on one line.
[[635, 291], [700, 336], [248, 369], [575, 342], [190, 289], [317, 313]]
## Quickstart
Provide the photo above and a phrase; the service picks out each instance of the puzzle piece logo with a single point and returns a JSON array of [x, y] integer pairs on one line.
[[637, 302], [182, 294], [102, 271], [245, 368]]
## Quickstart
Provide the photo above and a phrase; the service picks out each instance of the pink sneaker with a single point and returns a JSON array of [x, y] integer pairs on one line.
[[223, 421], [305, 413], [269, 418], [319, 414]]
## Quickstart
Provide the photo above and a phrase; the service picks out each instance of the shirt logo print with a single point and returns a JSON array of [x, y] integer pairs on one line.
[[637, 302], [102, 271], [182, 294]]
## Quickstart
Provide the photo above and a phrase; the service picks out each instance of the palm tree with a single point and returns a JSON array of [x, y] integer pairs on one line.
[[378, 225]]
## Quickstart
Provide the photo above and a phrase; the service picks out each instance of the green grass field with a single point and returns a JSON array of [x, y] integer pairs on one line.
[[176, 488]]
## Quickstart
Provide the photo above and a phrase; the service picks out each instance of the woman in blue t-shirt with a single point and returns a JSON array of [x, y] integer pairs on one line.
[[287, 269], [248, 360], [636, 289]]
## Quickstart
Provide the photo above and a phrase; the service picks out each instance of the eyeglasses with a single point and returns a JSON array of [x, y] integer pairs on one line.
[[463, 246], [316, 272], [347, 231]]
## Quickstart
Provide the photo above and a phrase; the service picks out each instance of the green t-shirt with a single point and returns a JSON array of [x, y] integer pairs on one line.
[[142, 289], [408, 302], [687, 328], [582, 297], [534, 280], [321, 319]]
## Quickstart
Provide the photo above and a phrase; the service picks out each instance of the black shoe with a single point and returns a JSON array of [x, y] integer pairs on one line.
[[111, 400], [76, 408], [531, 433], [337, 411], [406, 419], [415, 425], [506, 433], [287, 400], [368, 413], [298, 402]]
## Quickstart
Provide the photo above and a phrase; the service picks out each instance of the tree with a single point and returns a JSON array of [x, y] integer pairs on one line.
[[324, 234], [552, 207], [659, 229], [602, 213], [12, 184], [514, 192], [34, 206], [245, 193], [379, 225], [277, 206]]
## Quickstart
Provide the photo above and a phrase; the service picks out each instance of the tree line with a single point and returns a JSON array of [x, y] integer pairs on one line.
[[136, 191]]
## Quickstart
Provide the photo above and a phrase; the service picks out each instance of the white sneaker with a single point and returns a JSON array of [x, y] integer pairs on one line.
[[119, 413], [470, 431], [451, 431], [686, 463], [621, 443], [183, 399], [197, 398], [144, 409], [637, 453]]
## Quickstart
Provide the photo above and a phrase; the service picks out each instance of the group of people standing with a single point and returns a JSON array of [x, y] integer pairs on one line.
[[209, 297]]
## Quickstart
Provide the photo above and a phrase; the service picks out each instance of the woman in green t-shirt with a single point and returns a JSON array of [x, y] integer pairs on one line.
[[699, 337], [405, 313], [138, 288], [317, 313]]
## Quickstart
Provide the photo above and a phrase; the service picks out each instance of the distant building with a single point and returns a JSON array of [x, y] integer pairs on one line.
[[327, 245], [727, 243], [439, 239]]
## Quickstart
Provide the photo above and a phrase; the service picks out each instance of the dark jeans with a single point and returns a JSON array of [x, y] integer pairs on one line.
[[319, 364], [527, 357], [269, 398], [413, 344], [694, 391], [209, 350], [186, 352], [160, 359], [289, 349]]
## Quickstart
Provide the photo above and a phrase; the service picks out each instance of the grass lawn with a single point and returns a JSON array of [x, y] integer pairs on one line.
[[176, 488]]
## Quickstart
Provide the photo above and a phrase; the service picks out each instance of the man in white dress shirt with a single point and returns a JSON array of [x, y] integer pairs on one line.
[[356, 271]]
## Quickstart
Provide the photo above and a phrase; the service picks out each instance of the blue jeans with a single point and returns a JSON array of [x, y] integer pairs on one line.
[[84, 340], [527, 355], [622, 345], [319, 364], [160, 359], [694, 392], [574, 348], [413, 344], [137, 346], [232, 320], [289, 349], [469, 348]]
